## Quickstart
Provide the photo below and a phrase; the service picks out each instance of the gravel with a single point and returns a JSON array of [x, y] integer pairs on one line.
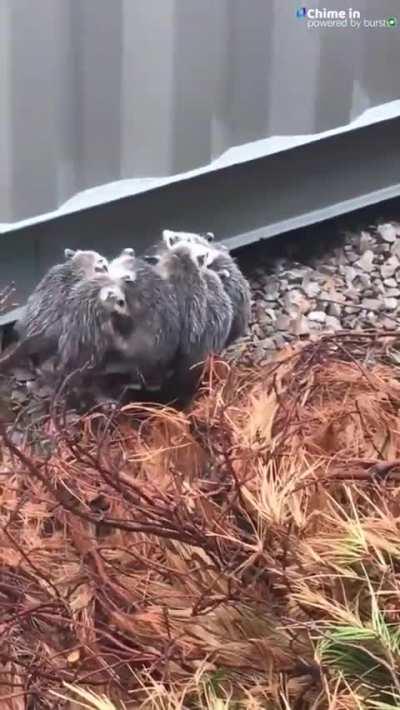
[[318, 282], [349, 281]]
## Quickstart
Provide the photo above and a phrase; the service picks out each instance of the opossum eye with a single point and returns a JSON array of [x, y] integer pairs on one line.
[[153, 260], [120, 303], [128, 251], [224, 273], [101, 268], [210, 236]]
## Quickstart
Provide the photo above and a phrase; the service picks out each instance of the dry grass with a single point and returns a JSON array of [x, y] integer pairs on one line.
[[245, 555]]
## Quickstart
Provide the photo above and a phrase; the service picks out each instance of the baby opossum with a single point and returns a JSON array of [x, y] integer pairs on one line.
[[95, 314], [146, 353], [181, 270], [180, 267], [235, 284], [40, 325], [219, 312], [205, 308], [237, 289]]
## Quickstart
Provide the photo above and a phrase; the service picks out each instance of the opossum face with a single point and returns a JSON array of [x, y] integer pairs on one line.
[[170, 238], [88, 263], [202, 254], [113, 299], [124, 266]]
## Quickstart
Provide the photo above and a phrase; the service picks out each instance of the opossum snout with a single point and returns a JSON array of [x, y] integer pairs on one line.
[[113, 297], [129, 278]]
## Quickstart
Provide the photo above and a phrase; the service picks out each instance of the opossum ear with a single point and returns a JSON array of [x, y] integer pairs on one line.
[[69, 253], [210, 236], [169, 238], [128, 251]]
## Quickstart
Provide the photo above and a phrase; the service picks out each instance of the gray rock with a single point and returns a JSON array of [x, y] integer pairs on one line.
[[334, 310], [296, 302], [317, 316], [283, 322], [327, 269], [311, 289], [267, 344], [352, 294], [351, 255], [352, 309], [388, 324], [379, 287], [389, 267], [363, 280], [271, 314], [271, 293], [387, 232], [366, 261], [299, 326], [366, 242], [333, 323], [372, 304], [372, 317], [390, 283], [349, 272], [279, 341], [395, 248], [390, 304], [295, 275]]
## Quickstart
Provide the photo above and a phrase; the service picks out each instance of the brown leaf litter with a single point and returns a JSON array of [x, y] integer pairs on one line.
[[188, 555]]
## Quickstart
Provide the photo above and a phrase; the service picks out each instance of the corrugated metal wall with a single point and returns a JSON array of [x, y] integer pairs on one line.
[[94, 91]]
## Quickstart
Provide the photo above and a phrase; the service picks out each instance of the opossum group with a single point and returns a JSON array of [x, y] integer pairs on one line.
[[133, 326]]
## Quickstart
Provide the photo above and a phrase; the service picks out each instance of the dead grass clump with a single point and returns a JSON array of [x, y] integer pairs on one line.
[[243, 555]]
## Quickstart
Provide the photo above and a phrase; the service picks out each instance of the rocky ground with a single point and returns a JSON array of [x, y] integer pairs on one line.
[[324, 279]]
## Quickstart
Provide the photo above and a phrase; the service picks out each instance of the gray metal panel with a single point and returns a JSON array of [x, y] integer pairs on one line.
[[241, 203], [97, 91]]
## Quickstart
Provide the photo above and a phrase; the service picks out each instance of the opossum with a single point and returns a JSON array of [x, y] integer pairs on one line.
[[40, 325], [235, 284], [175, 238], [219, 311], [237, 289], [146, 353], [180, 267], [205, 308], [95, 314]]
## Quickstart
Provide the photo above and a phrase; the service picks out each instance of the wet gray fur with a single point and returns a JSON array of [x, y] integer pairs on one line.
[[95, 312], [40, 325], [219, 314], [237, 289], [235, 284], [149, 349], [180, 269]]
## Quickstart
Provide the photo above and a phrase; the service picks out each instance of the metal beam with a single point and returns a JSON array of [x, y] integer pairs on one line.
[[241, 204]]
